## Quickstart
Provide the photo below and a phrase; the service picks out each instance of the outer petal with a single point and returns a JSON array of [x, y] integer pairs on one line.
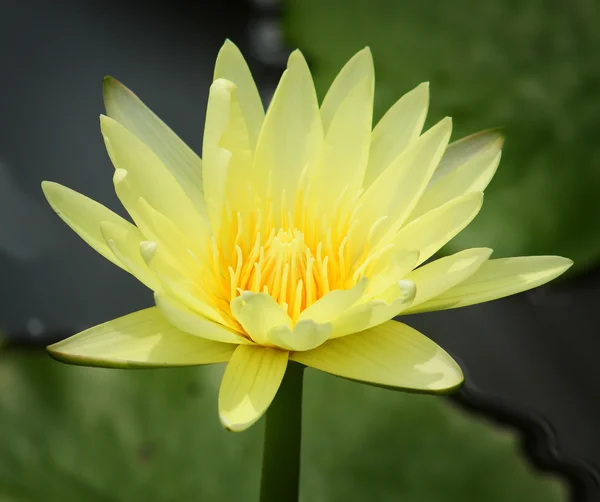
[[231, 65], [258, 313], [497, 279], [127, 109], [460, 152], [226, 149], [440, 275], [188, 321], [84, 215], [359, 67], [249, 384], [396, 191], [391, 354], [398, 129], [125, 244], [472, 176], [435, 228], [291, 135], [345, 151], [143, 339], [149, 179]]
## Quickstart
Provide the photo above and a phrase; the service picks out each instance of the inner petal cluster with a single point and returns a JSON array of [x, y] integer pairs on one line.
[[296, 261]]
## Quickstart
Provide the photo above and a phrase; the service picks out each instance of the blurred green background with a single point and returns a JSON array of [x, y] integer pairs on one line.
[[74, 434]]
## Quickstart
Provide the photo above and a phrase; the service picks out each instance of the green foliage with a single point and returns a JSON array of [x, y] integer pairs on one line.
[[529, 67], [73, 434]]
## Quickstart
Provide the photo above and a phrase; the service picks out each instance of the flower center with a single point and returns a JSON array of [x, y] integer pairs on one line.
[[294, 263]]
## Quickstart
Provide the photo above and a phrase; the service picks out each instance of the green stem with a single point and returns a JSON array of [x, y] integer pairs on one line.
[[283, 432]]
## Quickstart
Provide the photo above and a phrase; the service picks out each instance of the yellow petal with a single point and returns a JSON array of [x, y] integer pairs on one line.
[[125, 244], [158, 228], [249, 385], [126, 108], [193, 323], [462, 151], [334, 303], [440, 275], [391, 354], [143, 339], [435, 228], [472, 176], [231, 65], [150, 179], [359, 67], [388, 272], [398, 129], [226, 149], [396, 191], [84, 216], [258, 313], [291, 136], [390, 303], [497, 279], [306, 335], [179, 285], [345, 150]]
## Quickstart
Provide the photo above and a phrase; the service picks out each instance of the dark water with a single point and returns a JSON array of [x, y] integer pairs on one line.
[[531, 360]]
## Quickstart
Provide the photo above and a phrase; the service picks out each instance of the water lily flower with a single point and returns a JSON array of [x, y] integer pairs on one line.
[[300, 236]]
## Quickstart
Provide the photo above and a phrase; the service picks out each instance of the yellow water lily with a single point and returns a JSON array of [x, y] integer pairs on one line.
[[299, 236]]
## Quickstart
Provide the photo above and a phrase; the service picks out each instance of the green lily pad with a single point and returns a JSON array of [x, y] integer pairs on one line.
[[528, 68], [73, 434]]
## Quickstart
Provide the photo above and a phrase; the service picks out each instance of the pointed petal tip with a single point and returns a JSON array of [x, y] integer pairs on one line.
[[108, 82], [119, 175], [366, 52], [147, 249], [486, 251], [223, 84], [110, 86], [565, 263], [296, 57], [56, 352], [454, 380], [47, 187]]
